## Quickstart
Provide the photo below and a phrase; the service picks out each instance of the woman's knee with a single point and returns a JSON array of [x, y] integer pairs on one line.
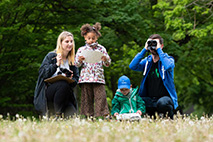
[[63, 85]]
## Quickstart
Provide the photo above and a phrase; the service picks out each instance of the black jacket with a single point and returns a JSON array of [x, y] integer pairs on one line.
[[46, 70]]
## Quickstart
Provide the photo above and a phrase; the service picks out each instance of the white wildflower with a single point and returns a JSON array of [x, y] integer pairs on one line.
[[19, 120], [105, 129], [128, 137], [58, 136], [202, 118], [100, 120], [45, 117], [17, 115], [21, 134], [191, 123], [136, 139]]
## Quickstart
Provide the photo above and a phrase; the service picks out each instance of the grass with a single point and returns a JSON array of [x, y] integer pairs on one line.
[[181, 129]]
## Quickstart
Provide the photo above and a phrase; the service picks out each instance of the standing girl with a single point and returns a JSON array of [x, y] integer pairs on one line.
[[57, 97], [91, 79]]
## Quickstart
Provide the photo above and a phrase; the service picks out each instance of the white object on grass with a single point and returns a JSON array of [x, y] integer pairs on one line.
[[128, 116]]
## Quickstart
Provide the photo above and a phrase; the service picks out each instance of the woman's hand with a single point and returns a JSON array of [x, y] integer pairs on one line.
[[81, 58], [58, 58], [71, 74]]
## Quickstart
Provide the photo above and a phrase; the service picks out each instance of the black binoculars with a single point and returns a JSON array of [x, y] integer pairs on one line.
[[152, 44], [65, 71]]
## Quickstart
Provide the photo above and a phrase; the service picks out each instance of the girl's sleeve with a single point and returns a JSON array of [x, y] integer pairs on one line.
[[108, 61], [78, 63], [141, 105], [115, 106], [48, 67]]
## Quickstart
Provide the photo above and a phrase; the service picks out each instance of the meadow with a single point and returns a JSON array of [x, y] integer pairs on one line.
[[180, 129]]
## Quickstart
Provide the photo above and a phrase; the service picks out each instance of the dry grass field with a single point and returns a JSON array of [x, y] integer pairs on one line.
[[181, 129]]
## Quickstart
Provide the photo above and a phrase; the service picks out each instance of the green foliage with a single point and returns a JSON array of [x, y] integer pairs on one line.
[[29, 30]]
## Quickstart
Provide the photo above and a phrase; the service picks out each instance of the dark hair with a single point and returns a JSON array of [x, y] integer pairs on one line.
[[86, 28], [157, 36]]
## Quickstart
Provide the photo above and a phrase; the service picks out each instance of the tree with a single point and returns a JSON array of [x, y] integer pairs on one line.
[[190, 24], [29, 30]]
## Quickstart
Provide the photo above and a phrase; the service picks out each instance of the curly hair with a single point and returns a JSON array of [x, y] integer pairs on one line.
[[87, 28]]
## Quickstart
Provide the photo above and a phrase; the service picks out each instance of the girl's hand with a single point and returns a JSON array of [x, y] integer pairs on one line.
[[58, 58], [104, 58], [81, 58], [139, 112], [115, 114]]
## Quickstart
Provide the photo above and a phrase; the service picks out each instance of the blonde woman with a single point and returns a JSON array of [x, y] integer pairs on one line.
[[57, 97]]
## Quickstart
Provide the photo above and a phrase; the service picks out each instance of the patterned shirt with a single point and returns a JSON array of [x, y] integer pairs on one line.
[[92, 72]]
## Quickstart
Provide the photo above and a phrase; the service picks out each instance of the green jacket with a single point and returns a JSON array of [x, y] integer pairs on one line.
[[130, 103]]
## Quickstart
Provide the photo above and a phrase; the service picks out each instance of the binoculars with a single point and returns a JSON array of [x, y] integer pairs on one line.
[[152, 44], [65, 71]]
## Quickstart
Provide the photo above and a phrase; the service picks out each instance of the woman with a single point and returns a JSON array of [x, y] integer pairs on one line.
[[57, 96]]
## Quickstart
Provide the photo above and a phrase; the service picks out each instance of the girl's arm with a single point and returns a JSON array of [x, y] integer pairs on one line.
[[107, 62], [78, 63]]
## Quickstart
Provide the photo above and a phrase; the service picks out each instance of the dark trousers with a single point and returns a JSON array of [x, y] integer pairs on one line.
[[58, 95], [160, 105]]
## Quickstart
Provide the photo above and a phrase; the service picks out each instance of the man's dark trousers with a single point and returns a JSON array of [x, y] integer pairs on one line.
[[160, 105]]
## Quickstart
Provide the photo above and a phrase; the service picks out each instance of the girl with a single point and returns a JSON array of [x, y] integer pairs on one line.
[[91, 79], [58, 96]]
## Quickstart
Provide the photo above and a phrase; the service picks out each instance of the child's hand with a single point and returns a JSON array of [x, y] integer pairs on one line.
[[81, 58], [104, 58], [115, 114], [139, 112]]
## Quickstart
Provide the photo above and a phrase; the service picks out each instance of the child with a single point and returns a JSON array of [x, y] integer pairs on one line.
[[91, 79], [126, 99]]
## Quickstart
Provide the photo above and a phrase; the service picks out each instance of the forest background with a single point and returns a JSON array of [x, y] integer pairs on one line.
[[29, 30]]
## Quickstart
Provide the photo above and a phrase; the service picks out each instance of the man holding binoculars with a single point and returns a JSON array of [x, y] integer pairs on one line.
[[157, 88]]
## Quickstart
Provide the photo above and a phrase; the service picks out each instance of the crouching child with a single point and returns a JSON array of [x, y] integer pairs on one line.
[[126, 99]]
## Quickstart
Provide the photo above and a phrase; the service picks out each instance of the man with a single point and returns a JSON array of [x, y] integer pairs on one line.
[[157, 88]]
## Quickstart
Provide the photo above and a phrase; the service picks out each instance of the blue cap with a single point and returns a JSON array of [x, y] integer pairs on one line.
[[124, 82]]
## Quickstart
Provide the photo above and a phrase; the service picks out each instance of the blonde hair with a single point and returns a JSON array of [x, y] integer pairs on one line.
[[59, 49]]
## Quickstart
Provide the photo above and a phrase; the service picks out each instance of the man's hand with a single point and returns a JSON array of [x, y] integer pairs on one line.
[[158, 43], [146, 44]]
